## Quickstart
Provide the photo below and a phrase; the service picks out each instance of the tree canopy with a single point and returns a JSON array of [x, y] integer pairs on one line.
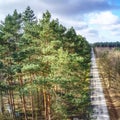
[[45, 66]]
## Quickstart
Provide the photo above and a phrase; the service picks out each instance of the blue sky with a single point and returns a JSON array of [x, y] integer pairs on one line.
[[97, 20]]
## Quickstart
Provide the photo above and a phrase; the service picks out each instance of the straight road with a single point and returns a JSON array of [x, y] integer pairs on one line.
[[100, 111]]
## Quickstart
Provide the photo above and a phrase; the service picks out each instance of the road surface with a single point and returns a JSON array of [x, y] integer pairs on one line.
[[100, 111]]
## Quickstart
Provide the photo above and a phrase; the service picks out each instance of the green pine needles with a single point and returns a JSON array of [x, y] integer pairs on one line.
[[45, 69]]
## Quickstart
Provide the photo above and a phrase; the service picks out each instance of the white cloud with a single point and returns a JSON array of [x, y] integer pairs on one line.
[[78, 24], [106, 24], [8, 1], [103, 18], [90, 34], [102, 26], [112, 27], [88, 17]]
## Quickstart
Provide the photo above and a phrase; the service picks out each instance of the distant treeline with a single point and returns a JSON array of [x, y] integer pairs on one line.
[[107, 44]]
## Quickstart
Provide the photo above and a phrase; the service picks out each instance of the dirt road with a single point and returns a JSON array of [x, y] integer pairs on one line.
[[100, 111]]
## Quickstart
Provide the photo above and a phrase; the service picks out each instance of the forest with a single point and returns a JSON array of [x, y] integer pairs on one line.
[[44, 69], [107, 44]]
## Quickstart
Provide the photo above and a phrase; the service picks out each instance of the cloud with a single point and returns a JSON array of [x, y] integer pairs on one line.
[[70, 7], [62, 7], [8, 6], [78, 24], [90, 18], [104, 18], [112, 28], [90, 34], [106, 23]]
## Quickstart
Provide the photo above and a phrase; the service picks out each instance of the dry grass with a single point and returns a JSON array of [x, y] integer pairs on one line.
[[112, 91], [113, 102]]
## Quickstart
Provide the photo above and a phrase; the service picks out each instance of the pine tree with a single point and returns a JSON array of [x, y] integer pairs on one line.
[[28, 15], [46, 65], [10, 35]]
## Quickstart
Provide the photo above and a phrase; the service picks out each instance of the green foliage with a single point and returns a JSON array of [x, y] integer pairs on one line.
[[30, 68], [19, 56], [11, 27], [46, 57], [28, 15], [1, 65], [107, 44]]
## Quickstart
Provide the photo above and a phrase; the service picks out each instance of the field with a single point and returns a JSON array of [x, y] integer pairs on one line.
[[108, 60]]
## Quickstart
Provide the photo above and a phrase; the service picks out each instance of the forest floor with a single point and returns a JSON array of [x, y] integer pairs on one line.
[[113, 101]]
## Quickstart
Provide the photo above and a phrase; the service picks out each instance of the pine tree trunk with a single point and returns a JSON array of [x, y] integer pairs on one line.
[[32, 101], [38, 104], [24, 101], [13, 104], [11, 101], [44, 103], [2, 103], [24, 107], [41, 104], [48, 107], [32, 107]]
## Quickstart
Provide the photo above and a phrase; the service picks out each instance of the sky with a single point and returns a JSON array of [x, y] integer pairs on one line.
[[96, 20]]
